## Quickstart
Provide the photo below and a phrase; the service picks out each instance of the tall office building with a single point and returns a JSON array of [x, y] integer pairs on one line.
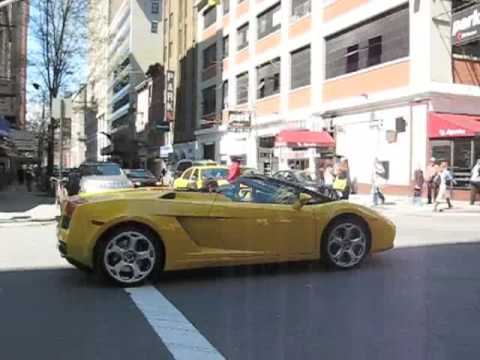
[[135, 42]]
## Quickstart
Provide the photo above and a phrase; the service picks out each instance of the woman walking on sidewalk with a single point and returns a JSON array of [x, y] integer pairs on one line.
[[446, 181]]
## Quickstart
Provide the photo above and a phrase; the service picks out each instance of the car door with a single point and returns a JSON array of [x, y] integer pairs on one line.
[[182, 182], [254, 226]]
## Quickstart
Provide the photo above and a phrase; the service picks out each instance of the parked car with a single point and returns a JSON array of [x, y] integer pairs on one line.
[[194, 178], [248, 171], [129, 237], [101, 176], [142, 178], [185, 164]]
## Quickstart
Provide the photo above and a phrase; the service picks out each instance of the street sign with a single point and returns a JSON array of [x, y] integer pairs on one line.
[[239, 120], [170, 96], [466, 25]]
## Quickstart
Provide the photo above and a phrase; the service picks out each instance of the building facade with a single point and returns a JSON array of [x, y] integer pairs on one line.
[[180, 33], [96, 91], [135, 43], [13, 74], [375, 76]]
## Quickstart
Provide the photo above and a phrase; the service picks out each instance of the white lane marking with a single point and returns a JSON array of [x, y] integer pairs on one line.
[[180, 337]]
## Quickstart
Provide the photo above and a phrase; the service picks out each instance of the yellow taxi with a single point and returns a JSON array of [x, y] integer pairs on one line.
[[194, 178]]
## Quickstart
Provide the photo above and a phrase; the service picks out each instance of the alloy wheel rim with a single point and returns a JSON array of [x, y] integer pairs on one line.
[[129, 257], [347, 245]]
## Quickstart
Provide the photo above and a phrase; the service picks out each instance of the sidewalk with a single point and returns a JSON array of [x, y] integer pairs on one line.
[[19, 205], [405, 204]]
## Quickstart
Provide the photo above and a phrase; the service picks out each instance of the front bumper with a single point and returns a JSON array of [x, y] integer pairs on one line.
[[62, 248]]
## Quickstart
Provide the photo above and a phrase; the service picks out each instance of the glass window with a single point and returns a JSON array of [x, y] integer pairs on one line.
[[210, 56], [209, 16], [442, 150], [187, 174], [195, 174], [269, 21], [301, 8], [100, 170], [154, 27], [462, 153], [268, 79], [225, 95], [301, 68], [242, 37], [353, 58], [378, 40], [476, 149], [225, 47], [209, 100], [374, 51], [214, 173], [226, 7], [242, 88], [155, 6]]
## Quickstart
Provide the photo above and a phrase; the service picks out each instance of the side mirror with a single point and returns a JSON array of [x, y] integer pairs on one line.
[[303, 200]]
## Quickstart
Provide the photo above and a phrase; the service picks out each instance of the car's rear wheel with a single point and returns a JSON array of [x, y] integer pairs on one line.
[[129, 256], [345, 243]]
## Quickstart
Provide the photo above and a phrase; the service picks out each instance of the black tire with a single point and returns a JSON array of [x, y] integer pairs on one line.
[[100, 259], [359, 227]]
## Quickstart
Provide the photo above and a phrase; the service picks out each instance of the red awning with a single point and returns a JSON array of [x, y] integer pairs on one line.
[[304, 138], [443, 125]]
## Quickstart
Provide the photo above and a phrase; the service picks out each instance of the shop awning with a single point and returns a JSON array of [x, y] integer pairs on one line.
[[304, 138], [444, 125]]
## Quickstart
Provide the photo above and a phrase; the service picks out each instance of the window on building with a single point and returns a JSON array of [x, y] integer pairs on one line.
[[226, 7], [301, 67], [242, 37], [225, 95], [209, 103], [155, 6], [269, 21], [209, 16], [374, 51], [226, 44], [268, 78], [170, 20], [378, 40], [353, 58], [154, 27], [301, 8], [170, 49], [210, 56], [242, 88]]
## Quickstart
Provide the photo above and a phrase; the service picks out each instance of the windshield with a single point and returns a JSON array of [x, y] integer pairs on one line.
[[215, 173], [139, 174], [305, 176], [101, 170]]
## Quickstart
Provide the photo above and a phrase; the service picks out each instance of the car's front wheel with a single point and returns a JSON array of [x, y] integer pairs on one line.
[[129, 256], [346, 243]]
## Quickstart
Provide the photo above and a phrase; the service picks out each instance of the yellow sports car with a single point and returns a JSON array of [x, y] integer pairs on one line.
[[132, 236], [194, 178]]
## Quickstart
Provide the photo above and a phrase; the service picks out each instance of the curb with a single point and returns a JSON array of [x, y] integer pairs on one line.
[[26, 220]]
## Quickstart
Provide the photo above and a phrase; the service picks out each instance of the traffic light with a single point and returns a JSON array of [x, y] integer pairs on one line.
[[400, 125]]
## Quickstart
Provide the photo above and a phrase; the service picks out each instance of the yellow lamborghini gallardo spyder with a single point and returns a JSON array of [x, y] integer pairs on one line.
[[131, 236]]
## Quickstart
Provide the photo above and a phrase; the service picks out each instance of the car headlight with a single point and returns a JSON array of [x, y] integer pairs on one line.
[[137, 183], [158, 183]]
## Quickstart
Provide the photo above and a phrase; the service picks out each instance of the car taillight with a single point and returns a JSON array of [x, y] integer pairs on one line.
[[72, 204]]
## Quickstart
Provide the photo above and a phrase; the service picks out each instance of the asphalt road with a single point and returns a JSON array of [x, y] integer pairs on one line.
[[419, 301]]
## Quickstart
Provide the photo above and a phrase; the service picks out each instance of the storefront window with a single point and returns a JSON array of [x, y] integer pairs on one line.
[[462, 153], [476, 149], [442, 150]]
